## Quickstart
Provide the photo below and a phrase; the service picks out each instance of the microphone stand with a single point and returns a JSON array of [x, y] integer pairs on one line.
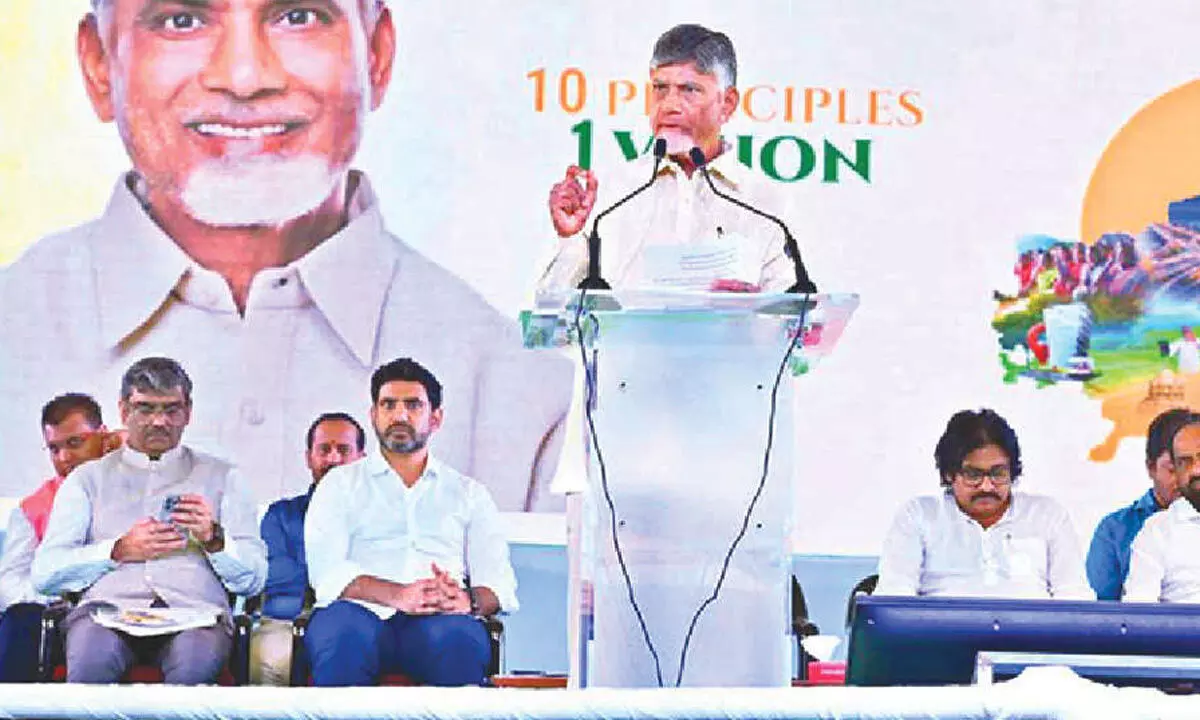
[[594, 280], [803, 285]]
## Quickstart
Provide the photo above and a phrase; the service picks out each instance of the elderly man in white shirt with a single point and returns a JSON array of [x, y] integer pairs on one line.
[[405, 553], [979, 538], [243, 245], [155, 524], [693, 72], [1164, 562]]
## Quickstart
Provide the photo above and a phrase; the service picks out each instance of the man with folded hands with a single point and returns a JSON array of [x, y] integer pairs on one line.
[[155, 529], [391, 541]]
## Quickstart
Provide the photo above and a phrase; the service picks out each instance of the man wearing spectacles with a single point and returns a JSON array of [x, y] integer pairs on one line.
[[1164, 565], [156, 525], [979, 538], [74, 433]]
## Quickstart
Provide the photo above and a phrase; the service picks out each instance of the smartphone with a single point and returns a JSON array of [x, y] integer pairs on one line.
[[168, 507]]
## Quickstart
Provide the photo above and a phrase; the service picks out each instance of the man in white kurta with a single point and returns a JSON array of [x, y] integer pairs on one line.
[[1164, 564], [677, 233], [154, 525], [978, 537]]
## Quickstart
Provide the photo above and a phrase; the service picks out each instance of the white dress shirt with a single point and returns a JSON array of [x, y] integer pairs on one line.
[[363, 520], [77, 308], [20, 542], [1164, 562], [934, 548], [678, 212]]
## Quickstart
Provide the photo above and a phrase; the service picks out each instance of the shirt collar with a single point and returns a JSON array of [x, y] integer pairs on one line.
[[377, 465], [1147, 503], [1184, 510], [142, 461], [724, 169], [140, 271]]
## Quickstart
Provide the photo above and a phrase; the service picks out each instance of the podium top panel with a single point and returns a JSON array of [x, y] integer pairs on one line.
[[668, 314], [662, 300]]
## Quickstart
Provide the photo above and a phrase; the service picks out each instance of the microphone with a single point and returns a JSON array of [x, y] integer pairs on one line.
[[803, 285], [594, 280]]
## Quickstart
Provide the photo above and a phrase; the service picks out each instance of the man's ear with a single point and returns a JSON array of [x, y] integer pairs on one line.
[[381, 55], [93, 61], [729, 103], [435, 420]]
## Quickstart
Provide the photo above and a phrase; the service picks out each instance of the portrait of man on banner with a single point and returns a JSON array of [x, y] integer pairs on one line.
[[244, 243]]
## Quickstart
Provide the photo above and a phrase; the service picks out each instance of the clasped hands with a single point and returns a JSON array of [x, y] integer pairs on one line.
[[440, 594], [150, 538]]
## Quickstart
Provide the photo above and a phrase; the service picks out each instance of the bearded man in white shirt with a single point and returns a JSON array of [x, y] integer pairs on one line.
[[244, 245], [978, 538], [405, 553], [1164, 564]]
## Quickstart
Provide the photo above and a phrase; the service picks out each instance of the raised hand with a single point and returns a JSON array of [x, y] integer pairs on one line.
[[572, 199]]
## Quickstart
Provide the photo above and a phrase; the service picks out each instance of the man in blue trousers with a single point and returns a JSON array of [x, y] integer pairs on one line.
[[405, 553]]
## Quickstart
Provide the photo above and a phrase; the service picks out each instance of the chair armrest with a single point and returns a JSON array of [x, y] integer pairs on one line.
[[300, 670], [50, 646], [495, 631], [254, 604], [239, 657]]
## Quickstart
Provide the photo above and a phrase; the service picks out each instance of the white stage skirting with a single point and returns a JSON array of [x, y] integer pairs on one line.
[[1066, 699]]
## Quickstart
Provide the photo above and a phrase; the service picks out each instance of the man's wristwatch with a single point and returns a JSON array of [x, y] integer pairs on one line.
[[217, 543]]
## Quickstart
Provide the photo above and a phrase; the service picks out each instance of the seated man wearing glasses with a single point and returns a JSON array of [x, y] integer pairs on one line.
[[151, 532], [978, 537]]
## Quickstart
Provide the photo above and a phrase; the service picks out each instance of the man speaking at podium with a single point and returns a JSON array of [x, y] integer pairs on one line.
[[243, 243], [677, 233]]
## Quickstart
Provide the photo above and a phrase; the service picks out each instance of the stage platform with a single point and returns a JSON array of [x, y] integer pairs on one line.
[[1033, 695]]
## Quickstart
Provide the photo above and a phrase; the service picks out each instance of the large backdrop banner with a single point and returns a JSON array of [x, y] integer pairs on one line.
[[1009, 185]]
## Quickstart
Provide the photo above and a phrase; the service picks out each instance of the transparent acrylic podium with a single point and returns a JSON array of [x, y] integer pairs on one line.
[[682, 400]]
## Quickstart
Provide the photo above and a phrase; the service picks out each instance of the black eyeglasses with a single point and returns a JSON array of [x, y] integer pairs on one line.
[[973, 476]]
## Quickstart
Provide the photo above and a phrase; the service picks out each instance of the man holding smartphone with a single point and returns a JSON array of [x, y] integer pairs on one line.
[[106, 539]]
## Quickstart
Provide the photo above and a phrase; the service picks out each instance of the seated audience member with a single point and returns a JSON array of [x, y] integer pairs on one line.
[[1164, 562], [154, 525], [978, 537], [74, 432], [404, 552], [1108, 556], [333, 439]]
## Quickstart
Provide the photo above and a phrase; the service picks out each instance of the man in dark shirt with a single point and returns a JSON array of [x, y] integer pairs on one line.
[[333, 439]]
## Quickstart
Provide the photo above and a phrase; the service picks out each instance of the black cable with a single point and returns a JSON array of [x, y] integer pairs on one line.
[[589, 395], [762, 484]]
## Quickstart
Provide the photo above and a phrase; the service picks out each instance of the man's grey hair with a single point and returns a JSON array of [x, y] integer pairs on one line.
[[710, 51], [157, 375]]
